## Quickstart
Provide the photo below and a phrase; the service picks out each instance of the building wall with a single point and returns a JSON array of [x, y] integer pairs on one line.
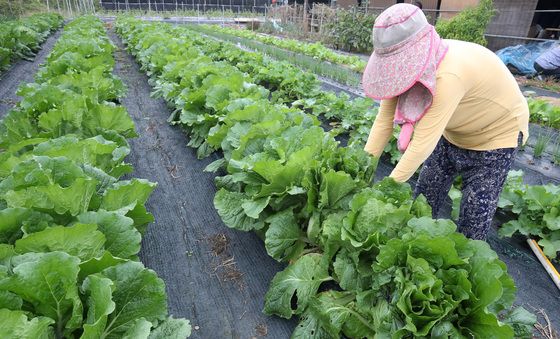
[[429, 6], [430, 9], [450, 7], [346, 3], [382, 3], [513, 18]]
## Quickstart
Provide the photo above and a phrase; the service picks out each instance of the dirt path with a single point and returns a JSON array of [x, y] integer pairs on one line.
[[216, 277], [22, 71]]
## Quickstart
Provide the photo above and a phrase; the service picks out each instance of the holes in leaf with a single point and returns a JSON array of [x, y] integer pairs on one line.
[[294, 301]]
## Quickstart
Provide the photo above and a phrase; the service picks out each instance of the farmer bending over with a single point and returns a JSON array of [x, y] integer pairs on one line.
[[459, 108], [548, 63]]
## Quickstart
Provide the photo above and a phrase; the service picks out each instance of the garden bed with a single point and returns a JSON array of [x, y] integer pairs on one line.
[[70, 229], [251, 253], [22, 71], [215, 276]]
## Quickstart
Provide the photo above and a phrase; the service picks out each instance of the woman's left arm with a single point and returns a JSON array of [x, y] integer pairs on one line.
[[382, 128], [428, 131]]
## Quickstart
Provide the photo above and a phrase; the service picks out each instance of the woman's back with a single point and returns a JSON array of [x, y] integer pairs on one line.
[[492, 106]]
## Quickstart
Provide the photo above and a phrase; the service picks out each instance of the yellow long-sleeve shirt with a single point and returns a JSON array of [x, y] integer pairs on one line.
[[477, 106]]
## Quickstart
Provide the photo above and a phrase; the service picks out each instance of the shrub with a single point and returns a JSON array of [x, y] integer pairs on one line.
[[351, 30], [469, 25]]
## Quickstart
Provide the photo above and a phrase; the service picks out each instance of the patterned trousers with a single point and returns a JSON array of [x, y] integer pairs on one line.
[[484, 174]]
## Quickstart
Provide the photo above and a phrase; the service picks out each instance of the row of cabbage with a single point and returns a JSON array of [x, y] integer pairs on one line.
[[315, 50], [70, 229], [363, 259], [288, 84], [542, 113], [21, 39]]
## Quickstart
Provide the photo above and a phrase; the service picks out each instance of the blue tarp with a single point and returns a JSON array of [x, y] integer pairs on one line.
[[522, 57]]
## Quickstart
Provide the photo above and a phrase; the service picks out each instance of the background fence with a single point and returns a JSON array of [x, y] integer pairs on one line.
[[515, 22], [235, 6]]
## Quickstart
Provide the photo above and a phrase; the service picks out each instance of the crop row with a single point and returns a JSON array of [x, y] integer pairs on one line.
[[70, 229], [541, 113], [336, 72], [315, 50], [291, 86], [20, 39], [363, 259]]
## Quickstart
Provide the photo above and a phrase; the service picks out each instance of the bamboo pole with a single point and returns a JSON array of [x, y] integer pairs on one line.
[[68, 8], [305, 23], [550, 269], [321, 22], [10, 8]]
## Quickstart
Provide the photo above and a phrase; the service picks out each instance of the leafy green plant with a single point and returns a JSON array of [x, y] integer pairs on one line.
[[455, 195], [544, 113], [351, 30], [556, 153], [469, 25], [537, 211]]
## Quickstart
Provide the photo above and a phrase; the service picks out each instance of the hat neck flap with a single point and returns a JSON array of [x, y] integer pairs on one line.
[[413, 104]]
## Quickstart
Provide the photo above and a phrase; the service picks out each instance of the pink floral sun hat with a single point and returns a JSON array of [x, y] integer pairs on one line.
[[407, 52]]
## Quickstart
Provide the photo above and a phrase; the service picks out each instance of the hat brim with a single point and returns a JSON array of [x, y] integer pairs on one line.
[[389, 75]]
